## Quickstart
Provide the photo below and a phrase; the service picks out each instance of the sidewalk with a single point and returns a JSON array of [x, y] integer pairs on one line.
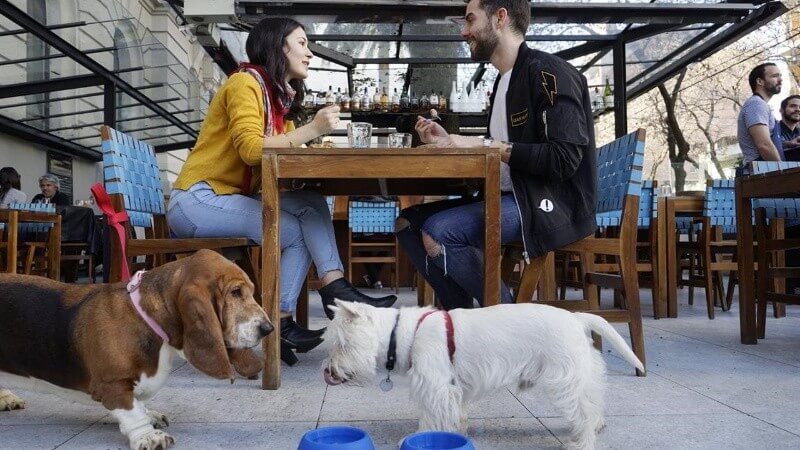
[[703, 390]]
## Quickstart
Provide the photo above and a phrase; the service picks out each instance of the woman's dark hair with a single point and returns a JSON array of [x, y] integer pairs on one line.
[[265, 47], [9, 178]]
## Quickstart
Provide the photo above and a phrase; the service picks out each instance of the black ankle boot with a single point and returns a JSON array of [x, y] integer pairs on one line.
[[297, 337], [343, 290], [287, 355]]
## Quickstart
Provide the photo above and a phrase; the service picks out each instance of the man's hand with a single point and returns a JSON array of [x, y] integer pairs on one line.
[[431, 132], [792, 144]]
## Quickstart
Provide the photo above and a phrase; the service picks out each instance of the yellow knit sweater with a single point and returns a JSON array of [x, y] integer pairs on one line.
[[230, 139]]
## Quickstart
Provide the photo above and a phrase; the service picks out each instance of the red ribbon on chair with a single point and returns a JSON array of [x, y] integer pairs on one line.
[[115, 219]]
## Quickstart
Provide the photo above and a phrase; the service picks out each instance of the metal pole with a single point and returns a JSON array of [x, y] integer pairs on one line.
[[620, 87], [110, 105]]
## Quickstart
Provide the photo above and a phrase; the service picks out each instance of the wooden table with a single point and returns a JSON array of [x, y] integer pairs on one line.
[[668, 209], [781, 184], [12, 218], [343, 171]]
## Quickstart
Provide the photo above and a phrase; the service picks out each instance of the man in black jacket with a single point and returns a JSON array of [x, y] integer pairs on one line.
[[541, 119], [50, 185]]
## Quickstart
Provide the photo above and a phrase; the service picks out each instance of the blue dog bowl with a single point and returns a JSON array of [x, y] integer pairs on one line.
[[436, 440], [336, 438]]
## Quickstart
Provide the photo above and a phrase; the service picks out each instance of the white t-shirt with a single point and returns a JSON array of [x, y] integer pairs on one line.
[[12, 196], [498, 127]]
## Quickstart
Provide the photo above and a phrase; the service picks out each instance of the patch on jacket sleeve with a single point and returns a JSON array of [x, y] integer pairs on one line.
[[519, 118], [550, 86]]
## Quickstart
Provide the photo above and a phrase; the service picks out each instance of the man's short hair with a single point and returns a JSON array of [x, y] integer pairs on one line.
[[786, 101], [519, 12], [758, 71], [50, 178]]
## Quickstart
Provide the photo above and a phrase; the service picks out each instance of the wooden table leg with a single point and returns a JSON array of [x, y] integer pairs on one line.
[[747, 307], [655, 261], [491, 268], [54, 250], [673, 263], [270, 270], [663, 268], [547, 282]]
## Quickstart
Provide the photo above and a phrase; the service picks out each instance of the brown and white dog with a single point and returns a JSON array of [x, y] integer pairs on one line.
[[88, 342]]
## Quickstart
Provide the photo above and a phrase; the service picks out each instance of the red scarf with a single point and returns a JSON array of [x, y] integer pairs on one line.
[[276, 106]]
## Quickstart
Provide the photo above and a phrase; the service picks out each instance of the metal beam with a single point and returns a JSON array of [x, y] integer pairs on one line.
[[392, 11], [59, 55], [756, 19], [174, 146], [447, 37], [413, 60], [331, 55], [31, 134], [110, 105], [42, 86], [28, 23], [128, 119], [49, 27]]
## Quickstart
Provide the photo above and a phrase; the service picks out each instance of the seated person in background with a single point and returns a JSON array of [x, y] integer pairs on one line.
[[50, 185], [786, 128], [217, 191], [10, 188]]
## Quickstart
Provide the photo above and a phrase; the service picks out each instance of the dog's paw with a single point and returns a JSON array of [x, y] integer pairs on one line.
[[157, 419], [9, 401], [154, 440]]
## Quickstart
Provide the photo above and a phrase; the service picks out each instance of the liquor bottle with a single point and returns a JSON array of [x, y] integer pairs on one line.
[[395, 102], [376, 100], [384, 101], [355, 102], [330, 99], [366, 101], [608, 96], [344, 102], [442, 102], [319, 102], [414, 101], [597, 100], [425, 103], [433, 99], [308, 100], [405, 103], [454, 98]]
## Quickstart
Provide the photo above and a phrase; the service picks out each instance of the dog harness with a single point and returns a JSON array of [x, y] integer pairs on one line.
[[448, 323], [136, 299]]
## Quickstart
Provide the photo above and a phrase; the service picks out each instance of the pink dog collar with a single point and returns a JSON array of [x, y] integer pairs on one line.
[[136, 298]]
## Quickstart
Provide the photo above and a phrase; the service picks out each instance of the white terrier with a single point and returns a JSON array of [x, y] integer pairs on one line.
[[457, 357]]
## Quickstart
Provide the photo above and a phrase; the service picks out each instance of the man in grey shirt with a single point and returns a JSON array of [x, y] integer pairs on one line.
[[756, 122]]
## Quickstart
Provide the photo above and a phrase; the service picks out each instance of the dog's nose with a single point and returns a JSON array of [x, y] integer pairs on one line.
[[265, 328]]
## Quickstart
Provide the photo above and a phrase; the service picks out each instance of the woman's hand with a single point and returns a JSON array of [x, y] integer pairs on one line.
[[429, 131], [326, 120]]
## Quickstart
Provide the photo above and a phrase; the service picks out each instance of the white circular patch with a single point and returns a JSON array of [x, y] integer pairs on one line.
[[546, 205]]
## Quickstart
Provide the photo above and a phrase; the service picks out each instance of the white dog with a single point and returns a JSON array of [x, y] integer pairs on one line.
[[489, 348]]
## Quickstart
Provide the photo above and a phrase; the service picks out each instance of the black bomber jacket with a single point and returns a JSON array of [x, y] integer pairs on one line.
[[553, 156]]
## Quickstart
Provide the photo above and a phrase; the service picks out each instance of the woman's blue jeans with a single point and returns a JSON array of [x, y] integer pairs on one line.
[[456, 274], [306, 232]]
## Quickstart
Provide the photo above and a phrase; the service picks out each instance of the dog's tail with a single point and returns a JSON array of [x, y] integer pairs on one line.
[[593, 322]]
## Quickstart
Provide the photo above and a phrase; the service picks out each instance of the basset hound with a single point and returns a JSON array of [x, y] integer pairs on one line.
[[94, 343]]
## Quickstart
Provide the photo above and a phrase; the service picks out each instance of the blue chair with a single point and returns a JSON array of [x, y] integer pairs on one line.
[[373, 219], [770, 217], [619, 170], [133, 182]]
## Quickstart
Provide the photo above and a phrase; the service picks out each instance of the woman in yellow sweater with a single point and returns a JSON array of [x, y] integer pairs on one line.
[[216, 193]]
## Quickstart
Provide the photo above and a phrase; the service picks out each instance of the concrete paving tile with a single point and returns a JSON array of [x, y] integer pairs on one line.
[[37, 436], [266, 435], [48, 409], [370, 403], [787, 420], [706, 431]]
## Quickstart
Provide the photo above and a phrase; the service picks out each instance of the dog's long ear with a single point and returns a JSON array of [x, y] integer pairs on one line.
[[245, 361], [203, 344], [348, 310]]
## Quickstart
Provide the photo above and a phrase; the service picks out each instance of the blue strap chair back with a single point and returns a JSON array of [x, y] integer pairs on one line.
[[619, 173], [130, 168], [783, 208], [373, 217], [648, 203], [720, 204], [35, 207]]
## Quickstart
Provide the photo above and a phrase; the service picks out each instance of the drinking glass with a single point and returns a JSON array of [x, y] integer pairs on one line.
[[399, 140], [359, 134]]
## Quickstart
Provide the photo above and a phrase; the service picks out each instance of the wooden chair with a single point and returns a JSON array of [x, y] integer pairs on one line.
[[771, 245], [619, 168], [133, 183], [36, 220], [375, 217]]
